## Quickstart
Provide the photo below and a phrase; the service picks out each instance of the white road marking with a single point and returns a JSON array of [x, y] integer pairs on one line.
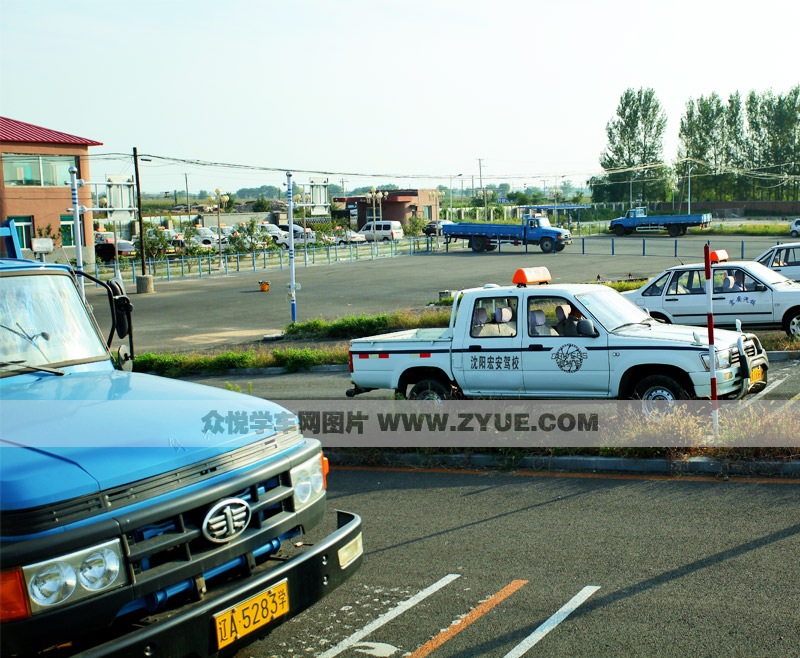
[[765, 390], [567, 609], [388, 616]]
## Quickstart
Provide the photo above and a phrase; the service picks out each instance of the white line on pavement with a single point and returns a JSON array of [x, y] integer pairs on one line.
[[387, 617], [567, 609]]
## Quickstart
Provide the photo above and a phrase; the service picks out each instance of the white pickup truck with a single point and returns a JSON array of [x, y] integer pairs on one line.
[[555, 341]]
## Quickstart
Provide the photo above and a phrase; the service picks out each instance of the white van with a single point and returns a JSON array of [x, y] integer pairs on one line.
[[382, 231]]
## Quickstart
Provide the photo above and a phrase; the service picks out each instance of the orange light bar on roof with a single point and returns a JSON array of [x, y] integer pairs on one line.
[[718, 256], [525, 276]]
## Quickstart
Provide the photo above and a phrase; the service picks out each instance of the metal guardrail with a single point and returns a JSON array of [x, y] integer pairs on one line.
[[211, 264]]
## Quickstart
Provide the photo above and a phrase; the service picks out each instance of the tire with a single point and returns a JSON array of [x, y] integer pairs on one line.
[[674, 230], [663, 319], [619, 230], [430, 389], [560, 246], [795, 234], [683, 230], [792, 323], [478, 244], [659, 388], [546, 245]]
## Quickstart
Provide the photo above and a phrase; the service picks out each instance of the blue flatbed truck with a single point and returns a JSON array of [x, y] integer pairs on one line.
[[133, 520], [637, 219], [532, 229]]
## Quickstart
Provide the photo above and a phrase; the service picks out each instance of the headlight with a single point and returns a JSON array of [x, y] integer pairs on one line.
[[723, 360], [75, 576], [308, 481]]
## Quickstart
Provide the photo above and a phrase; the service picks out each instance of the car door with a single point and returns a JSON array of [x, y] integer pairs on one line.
[[558, 365], [739, 296], [489, 358], [785, 260], [685, 298]]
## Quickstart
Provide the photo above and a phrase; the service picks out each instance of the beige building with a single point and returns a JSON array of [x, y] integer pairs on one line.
[[397, 205], [35, 190]]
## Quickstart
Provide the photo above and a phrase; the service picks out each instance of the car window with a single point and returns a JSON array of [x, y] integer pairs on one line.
[[552, 316], [657, 287], [733, 280], [689, 282], [494, 317]]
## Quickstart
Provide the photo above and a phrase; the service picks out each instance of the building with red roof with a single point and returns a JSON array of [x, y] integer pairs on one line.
[[34, 189]]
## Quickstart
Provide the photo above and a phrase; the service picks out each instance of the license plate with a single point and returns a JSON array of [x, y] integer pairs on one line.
[[756, 375], [250, 615]]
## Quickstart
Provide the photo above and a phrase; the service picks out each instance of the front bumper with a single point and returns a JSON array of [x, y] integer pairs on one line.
[[190, 630]]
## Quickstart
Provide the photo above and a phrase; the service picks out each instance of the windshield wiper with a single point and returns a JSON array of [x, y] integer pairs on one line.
[[646, 323], [31, 338], [29, 366]]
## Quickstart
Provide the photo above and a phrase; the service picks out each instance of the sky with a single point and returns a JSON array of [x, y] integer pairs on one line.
[[417, 93]]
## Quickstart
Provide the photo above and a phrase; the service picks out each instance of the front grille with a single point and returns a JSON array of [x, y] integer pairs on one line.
[[176, 544]]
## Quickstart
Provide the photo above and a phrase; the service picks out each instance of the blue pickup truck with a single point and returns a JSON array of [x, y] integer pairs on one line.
[[143, 516], [637, 219], [533, 229]]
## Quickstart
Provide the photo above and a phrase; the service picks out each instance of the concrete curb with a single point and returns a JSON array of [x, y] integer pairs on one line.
[[564, 464]]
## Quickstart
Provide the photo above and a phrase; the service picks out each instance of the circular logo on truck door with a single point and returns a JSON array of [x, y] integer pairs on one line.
[[226, 520], [569, 357]]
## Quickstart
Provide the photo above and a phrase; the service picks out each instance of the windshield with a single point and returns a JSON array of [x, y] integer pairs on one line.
[[768, 275], [611, 309], [44, 322], [544, 222]]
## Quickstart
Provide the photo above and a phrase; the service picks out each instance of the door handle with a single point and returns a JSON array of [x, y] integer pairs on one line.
[[475, 348], [674, 299], [717, 299], [536, 347]]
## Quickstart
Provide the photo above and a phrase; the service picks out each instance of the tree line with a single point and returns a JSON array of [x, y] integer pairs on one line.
[[738, 149]]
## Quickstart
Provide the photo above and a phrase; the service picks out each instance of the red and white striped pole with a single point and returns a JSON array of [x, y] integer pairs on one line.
[[712, 357]]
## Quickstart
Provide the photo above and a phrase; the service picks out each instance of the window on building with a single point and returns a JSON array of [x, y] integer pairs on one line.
[[67, 231], [24, 226], [37, 170], [427, 213]]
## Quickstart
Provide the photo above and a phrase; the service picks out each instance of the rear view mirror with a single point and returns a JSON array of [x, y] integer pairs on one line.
[[586, 328]]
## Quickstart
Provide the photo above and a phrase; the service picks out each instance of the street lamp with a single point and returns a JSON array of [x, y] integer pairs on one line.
[[689, 207], [374, 196]]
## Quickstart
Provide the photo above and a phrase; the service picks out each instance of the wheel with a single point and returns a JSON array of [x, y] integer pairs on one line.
[[478, 244], [683, 230], [619, 230], [792, 324], [674, 230], [560, 246], [794, 234], [546, 245], [429, 389], [661, 318], [659, 388]]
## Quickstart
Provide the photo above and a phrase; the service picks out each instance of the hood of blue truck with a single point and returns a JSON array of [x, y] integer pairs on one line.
[[69, 436]]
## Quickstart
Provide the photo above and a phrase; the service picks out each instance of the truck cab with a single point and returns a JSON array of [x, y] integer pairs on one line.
[[142, 516]]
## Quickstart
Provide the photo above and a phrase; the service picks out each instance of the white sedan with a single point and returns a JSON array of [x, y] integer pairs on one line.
[[348, 236], [742, 290], [783, 258]]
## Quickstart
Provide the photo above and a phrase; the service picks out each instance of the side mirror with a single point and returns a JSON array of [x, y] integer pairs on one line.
[[586, 328], [760, 287]]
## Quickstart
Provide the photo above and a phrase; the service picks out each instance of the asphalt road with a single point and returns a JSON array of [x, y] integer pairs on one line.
[[683, 568], [218, 310]]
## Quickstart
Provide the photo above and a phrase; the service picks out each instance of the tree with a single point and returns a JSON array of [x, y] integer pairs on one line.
[[633, 155], [261, 205]]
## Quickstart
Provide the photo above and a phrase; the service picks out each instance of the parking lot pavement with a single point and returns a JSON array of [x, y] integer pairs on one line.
[[508, 564]]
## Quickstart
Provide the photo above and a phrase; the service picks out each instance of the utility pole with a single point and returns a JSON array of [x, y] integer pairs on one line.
[[139, 208]]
